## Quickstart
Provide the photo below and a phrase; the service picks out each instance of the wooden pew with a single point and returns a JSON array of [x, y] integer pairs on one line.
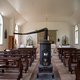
[[34, 52], [30, 57], [67, 55], [24, 56], [72, 63], [77, 69], [66, 49], [17, 53], [59, 52], [31, 52], [11, 59]]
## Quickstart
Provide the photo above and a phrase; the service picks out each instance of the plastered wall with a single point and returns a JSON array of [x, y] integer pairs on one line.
[[76, 45], [5, 26], [62, 27]]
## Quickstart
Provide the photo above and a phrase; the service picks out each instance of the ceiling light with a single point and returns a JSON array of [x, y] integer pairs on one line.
[[46, 20]]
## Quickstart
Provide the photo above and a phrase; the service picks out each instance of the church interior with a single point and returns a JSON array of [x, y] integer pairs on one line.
[[39, 38]]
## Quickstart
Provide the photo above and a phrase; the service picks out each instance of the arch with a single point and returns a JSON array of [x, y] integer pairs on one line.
[[1, 29], [16, 36], [29, 40], [65, 40]]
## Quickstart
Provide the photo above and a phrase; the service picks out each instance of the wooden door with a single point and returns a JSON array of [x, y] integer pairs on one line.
[[11, 42]]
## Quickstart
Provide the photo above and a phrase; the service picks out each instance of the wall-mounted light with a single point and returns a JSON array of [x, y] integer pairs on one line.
[[58, 40]]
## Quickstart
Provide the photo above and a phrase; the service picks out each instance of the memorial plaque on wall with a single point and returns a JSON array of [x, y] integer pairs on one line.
[[51, 36]]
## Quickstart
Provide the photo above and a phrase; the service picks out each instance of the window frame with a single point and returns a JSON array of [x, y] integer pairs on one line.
[[1, 29], [16, 31], [76, 30]]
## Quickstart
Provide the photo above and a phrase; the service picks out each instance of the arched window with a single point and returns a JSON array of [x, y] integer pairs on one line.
[[1, 30], [16, 31], [76, 34]]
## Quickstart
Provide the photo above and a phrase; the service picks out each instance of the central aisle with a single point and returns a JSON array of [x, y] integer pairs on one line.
[[60, 70], [55, 71]]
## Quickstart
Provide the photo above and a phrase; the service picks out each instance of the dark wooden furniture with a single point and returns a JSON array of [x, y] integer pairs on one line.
[[77, 69], [67, 55], [61, 52], [73, 61], [30, 49], [19, 66], [23, 55], [17, 53], [66, 49], [31, 52]]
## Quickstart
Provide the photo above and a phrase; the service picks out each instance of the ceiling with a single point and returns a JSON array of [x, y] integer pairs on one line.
[[37, 10]]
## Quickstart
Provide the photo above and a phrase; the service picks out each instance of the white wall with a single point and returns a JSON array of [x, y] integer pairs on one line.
[[76, 45], [19, 35], [5, 26], [62, 27], [11, 27], [8, 24]]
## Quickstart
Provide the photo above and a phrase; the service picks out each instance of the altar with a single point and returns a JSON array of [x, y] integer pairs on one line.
[[65, 46], [53, 49]]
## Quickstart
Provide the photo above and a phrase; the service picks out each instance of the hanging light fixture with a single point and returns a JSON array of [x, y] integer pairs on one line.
[[46, 21], [46, 27]]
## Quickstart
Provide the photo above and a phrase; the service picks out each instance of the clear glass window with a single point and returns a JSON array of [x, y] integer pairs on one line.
[[1, 30], [76, 34], [16, 31]]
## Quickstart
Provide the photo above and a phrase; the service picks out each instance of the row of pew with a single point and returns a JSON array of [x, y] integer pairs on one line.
[[71, 58], [16, 59]]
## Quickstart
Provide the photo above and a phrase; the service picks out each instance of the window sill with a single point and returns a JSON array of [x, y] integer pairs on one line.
[[1, 44], [76, 44]]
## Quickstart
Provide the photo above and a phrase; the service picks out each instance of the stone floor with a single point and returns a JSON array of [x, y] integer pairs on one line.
[[31, 72], [26, 76], [62, 72]]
